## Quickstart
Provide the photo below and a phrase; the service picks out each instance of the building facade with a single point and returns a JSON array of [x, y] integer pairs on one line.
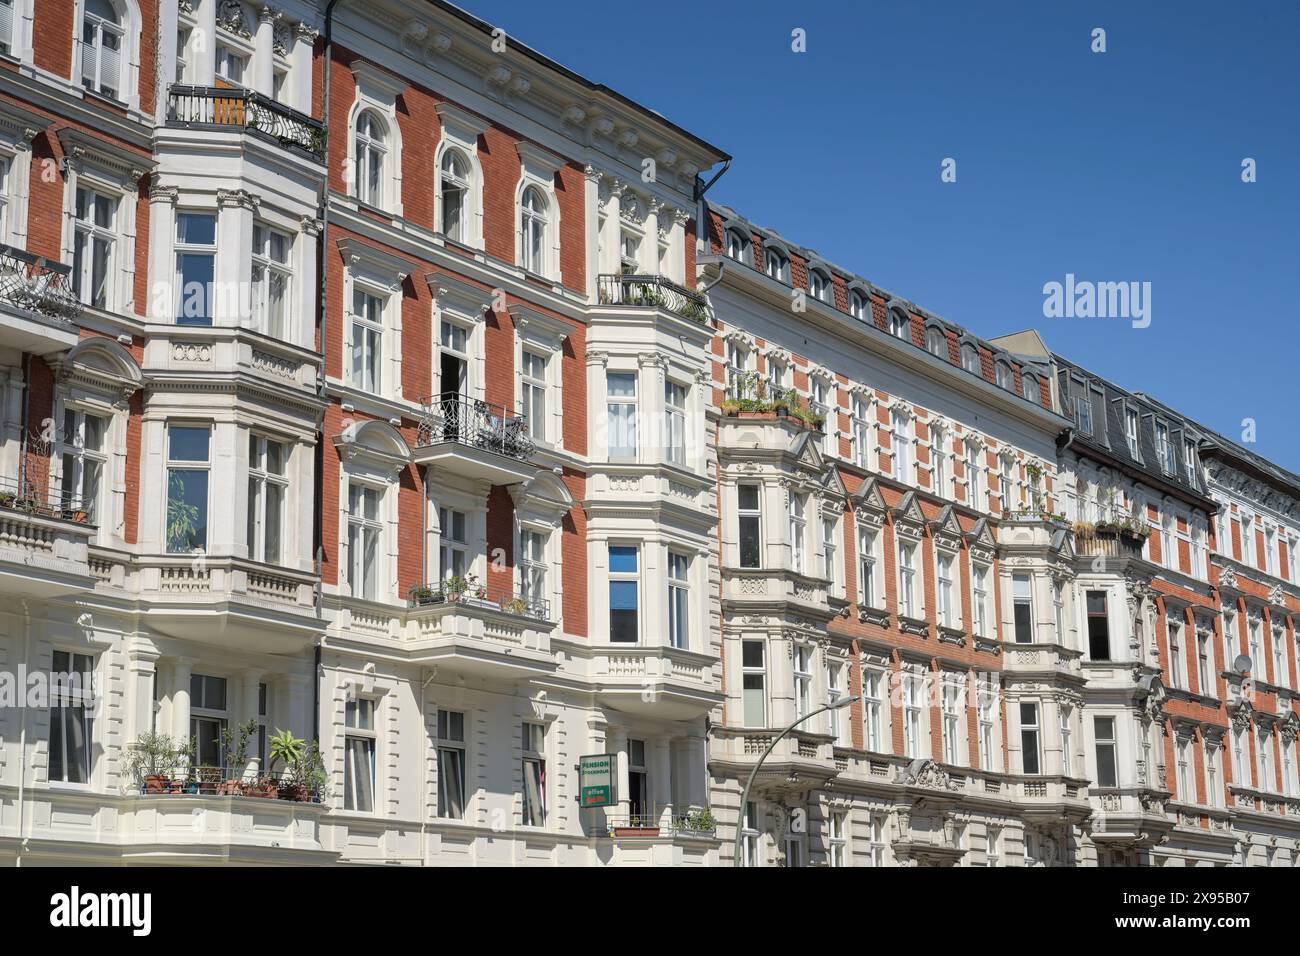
[[372, 378]]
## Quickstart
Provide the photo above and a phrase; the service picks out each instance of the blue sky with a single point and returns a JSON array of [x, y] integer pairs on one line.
[[1118, 166]]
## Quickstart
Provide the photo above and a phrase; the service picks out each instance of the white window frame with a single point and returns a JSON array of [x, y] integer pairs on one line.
[[260, 479], [362, 733], [267, 270]]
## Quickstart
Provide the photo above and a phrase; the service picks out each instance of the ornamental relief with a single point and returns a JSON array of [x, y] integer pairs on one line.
[[191, 352]]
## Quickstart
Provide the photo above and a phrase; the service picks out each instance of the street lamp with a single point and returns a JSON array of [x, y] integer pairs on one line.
[[744, 796]]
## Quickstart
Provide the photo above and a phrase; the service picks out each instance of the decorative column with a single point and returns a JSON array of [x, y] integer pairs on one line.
[[205, 54], [252, 693], [264, 51], [162, 225], [141, 671], [591, 207], [616, 738], [234, 267], [182, 669], [661, 779], [300, 69]]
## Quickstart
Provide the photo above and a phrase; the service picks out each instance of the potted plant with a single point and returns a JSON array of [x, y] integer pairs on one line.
[[515, 605], [151, 760], [730, 407], [234, 748], [700, 821], [7, 499], [208, 779], [305, 779]]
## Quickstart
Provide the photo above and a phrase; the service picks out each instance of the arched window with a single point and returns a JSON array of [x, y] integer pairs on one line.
[[1032, 391], [1006, 377], [776, 265], [970, 358], [454, 195], [899, 324], [819, 285], [859, 307], [936, 342], [532, 229], [103, 29], [738, 245], [371, 156]]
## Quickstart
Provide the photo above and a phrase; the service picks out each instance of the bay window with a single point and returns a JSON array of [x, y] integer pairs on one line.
[[1023, 608], [798, 532], [621, 408], [624, 594], [1104, 736], [453, 547], [1030, 740], [272, 279], [679, 599], [196, 257], [268, 486], [675, 422], [802, 679], [209, 718], [753, 679], [188, 464], [749, 517]]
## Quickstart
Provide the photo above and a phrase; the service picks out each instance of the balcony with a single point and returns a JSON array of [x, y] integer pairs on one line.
[[1110, 539], [225, 108], [43, 542], [1049, 661], [654, 681], [467, 629], [799, 762], [774, 589], [37, 303], [225, 601], [652, 292], [1052, 799], [474, 439]]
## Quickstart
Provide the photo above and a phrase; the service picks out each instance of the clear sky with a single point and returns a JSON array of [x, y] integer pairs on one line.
[[1117, 166]]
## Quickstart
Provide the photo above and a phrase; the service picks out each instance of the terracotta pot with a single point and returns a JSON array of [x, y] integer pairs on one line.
[[155, 783]]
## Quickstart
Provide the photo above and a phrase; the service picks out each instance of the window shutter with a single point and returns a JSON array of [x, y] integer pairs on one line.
[[89, 76], [110, 70], [6, 25]]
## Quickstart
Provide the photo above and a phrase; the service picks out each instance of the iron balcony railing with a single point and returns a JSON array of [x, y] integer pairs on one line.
[[31, 498], [207, 780], [694, 822], [472, 594], [651, 291], [38, 285], [468, 421], [213, 107]]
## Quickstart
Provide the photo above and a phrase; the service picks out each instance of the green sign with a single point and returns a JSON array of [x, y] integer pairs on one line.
[[596, 776]]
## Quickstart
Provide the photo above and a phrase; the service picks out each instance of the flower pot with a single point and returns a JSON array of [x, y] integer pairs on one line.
[[155, 783]]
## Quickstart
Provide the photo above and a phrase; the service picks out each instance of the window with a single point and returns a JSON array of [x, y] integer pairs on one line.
[[1189, 460], [1203, 681], [629, 253], [1098, 626], [364, 529], [873, 709], [272, 280], [987, 704], [1264, 746], [749, 835], [231, 65], [1083, 413], [776, 376], [196, 255], [621, 406], [367, 341], [1131, 431], [912, 740], [638, 785], [1030, 743], [1022, 608], [6, 26], [451, 764], [831, 553], [1239, 776], [737, 245], [867, 593], [1213, 758], [359, 756], [901, 447], [371, 157], [876, 844], [1067, 743], [798, 533], [972, 474], [907, 603], [819, 402], [208, 718], [1279, 659], [753, 680], [1175, 633], [1164, 449], [749, 515], [1006, 483], [533, 392], [453, 545], [859, 306], [102, 32], [819, 285], [1032, 391], [85, 456], [1058, 611], [802, 679], [454, 194], [93, 244], [980, 589], [268, 485], [187, 488], [936, 343], [1104, 733], [5, 166], [835, 838], [624, 587], [534, 772], [263, 712], [1006, 376], [992, 837], [71, 717], [737, 370], [970, 359], [1185, 793], [679, 599], [834, 691], [939, 460], [675, 422], [951, 721], [861, 431], [947, 613], [899, 325], [532, 566], [532, 230]]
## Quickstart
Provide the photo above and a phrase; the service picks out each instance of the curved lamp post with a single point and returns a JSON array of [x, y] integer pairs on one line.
[[744, 797]]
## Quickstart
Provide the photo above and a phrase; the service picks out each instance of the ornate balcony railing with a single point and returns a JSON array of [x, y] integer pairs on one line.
[[651, 291], [38, 285], [208, 107], [469, 593], [32, 498], [467, 421]]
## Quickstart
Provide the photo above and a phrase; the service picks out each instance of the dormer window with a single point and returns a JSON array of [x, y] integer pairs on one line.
[[776, 265], [970, 358], [1164, 449], [899, 324], [1131, 430], [738, 246], [819, 285], [1033, 392], [1189, 459], [1006, 376], [859, 307], [936, 343]]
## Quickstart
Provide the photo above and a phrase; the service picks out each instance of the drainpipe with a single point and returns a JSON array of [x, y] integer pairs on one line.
[[22, 743], [701, 187]]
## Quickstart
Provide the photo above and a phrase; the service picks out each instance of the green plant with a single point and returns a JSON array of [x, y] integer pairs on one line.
[[153, 755], [462, 584], [182, 517], [701, 821], [7, 499], [730, 406], [234, 745], [285, 748], [696, 311], [515, 605]]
